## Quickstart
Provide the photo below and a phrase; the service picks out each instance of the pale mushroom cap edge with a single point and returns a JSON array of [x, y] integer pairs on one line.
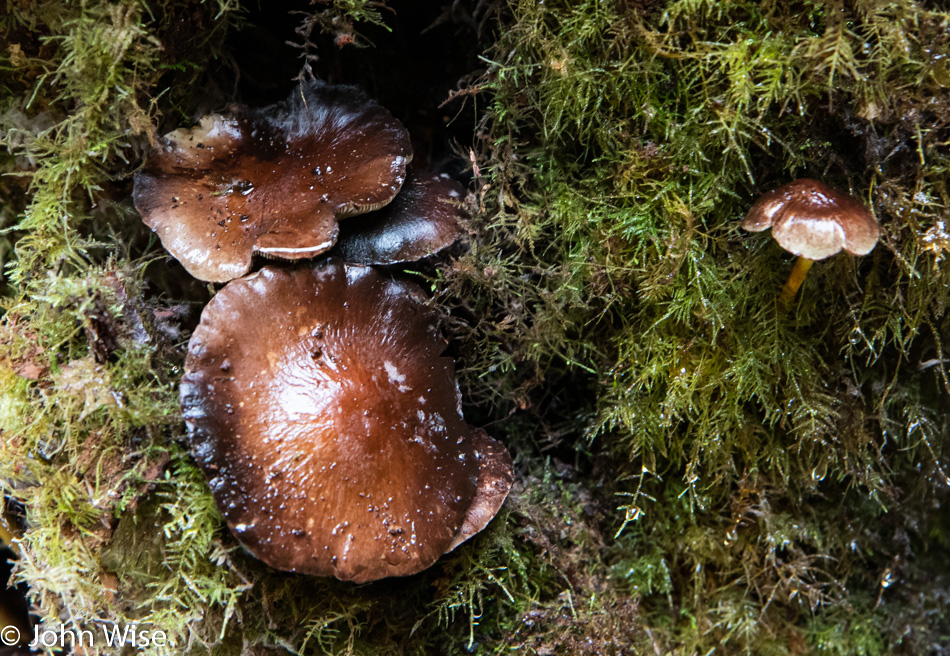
[[812, 220]]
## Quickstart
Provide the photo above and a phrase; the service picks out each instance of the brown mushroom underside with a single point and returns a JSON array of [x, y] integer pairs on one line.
[[271, 181], [329, 426], [810, 219], [422, 220]]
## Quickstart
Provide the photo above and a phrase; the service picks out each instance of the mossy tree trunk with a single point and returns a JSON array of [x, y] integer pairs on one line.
[[699, 467]]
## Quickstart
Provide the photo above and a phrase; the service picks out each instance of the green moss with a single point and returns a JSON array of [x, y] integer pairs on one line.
[[622, 147], [699, 469]]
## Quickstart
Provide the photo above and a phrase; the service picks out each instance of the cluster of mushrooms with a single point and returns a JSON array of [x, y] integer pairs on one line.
[[317, 399], [318, 403]]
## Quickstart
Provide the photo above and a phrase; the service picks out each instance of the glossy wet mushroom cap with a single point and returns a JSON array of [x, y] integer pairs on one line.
[[272, 180], [810, 219], [328, 423], [422, 220]]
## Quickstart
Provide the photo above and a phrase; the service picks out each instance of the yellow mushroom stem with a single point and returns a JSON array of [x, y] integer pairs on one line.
[[795, 280]]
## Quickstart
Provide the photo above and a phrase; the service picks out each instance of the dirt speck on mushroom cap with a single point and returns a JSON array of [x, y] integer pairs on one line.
[[272, 180], [810, 219], [328, 424]]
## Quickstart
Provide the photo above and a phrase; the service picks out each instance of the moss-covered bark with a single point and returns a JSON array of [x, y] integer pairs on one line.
[[699, 468]]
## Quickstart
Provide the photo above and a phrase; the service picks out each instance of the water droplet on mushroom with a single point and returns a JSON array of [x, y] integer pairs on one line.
[[315, 481]]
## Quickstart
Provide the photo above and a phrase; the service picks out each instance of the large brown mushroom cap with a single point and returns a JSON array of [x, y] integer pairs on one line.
[[272, 181], [329, 426], [810, 219], [422, 220]]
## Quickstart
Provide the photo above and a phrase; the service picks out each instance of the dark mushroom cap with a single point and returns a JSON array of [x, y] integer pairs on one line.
[[329, 425], [811, 219], [422, 220], [272, 181]]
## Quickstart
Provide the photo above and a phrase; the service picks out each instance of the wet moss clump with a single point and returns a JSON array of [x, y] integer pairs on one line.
[[699, 468], [783, 472]]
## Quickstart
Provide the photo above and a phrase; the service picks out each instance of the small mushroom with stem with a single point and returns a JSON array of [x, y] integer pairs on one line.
[[332, 433], [812, 220]]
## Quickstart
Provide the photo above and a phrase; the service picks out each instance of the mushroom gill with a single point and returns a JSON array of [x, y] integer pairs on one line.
[[331, 432], [272, 180]]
